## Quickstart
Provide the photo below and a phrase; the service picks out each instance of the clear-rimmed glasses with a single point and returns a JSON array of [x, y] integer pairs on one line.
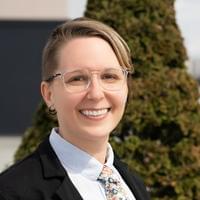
[[79, 80]]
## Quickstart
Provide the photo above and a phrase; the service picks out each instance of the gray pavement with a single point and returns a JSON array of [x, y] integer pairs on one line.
[[8, 146]]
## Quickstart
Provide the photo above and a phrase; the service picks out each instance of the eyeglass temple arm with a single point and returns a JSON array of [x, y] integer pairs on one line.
[[52, 77]]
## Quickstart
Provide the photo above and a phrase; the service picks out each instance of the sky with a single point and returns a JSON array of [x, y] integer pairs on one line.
[[187, 15], [188, 18]]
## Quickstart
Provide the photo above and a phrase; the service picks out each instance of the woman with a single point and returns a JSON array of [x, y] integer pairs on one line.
[[84, 71]]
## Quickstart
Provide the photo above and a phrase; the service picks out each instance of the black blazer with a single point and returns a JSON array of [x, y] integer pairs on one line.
[[41, 176]]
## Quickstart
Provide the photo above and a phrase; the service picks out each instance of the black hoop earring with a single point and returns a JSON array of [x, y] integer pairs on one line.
[[52, 110]]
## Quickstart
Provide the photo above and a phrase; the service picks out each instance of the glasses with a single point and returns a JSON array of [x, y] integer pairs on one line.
[[110, 79]]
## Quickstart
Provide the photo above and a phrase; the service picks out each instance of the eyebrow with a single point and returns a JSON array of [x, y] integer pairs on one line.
[[88, 68]]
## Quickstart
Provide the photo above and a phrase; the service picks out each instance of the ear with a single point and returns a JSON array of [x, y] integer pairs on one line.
[[46, 92]]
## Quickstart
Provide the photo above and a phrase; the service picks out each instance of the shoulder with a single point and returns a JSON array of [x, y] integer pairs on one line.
[[20, 175], [25, 170], [35, 177], [22, 167], [25, 179]]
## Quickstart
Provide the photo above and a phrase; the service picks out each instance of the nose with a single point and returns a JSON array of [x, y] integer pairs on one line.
[[95, 91]]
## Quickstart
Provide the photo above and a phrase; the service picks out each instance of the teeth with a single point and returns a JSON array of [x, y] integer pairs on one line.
[[94, 113]]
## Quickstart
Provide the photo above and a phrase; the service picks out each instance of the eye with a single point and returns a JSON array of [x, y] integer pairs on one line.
[[76, 80], [110, 76]]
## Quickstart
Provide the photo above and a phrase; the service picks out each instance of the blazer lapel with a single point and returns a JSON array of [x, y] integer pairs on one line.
[[57, 178], [68, 191], [53, 171]]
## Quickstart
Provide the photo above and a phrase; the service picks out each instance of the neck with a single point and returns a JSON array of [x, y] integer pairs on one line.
[[98, 151], [96, 148]]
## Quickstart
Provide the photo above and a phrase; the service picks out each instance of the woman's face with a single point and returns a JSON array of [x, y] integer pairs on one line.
[[91, 114]]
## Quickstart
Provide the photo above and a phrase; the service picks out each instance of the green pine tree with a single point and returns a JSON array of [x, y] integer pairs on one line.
[[160, 134]]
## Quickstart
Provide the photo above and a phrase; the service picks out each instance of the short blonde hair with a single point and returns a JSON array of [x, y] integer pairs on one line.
[[82, 27]]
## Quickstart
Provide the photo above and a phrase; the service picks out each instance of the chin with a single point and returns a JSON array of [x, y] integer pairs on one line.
[[96, 133]]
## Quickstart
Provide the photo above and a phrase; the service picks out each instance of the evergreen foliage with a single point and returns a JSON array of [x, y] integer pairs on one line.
[[159, 136]]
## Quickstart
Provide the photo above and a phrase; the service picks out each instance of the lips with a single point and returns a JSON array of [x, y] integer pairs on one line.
[[95, 112]]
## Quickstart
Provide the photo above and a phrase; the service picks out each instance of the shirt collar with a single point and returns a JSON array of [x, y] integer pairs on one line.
[[77, 161]]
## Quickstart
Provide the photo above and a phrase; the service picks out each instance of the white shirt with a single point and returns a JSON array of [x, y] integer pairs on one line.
[[83, 169]]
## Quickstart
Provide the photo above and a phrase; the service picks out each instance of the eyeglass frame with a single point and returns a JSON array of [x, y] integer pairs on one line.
[[51, 78]]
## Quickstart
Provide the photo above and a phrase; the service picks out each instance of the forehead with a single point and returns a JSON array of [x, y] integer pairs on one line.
[[87, 52]]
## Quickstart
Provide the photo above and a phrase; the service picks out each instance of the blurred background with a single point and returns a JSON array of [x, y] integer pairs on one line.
[[24, 27]]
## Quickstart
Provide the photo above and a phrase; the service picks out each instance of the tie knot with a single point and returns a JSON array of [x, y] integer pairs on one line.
[[107, 176], [106, 171], [111, 184]]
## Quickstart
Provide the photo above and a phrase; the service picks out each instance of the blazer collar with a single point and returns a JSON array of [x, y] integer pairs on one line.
[[50, 164], [52, 169]]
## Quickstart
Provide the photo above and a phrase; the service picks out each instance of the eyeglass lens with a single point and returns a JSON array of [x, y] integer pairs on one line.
[[109, 79]]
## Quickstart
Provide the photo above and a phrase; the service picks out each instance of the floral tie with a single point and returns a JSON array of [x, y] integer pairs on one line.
[[111, 184]]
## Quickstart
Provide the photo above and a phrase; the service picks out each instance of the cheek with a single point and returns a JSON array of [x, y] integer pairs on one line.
[[67, 103], [124, 95], [121, 98], [64, 104]]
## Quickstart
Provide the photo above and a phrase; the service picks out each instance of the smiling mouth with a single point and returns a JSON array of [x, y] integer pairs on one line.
[[95, 112]]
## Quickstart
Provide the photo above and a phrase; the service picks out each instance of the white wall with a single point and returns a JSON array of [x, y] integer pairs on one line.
[[41, 9]]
